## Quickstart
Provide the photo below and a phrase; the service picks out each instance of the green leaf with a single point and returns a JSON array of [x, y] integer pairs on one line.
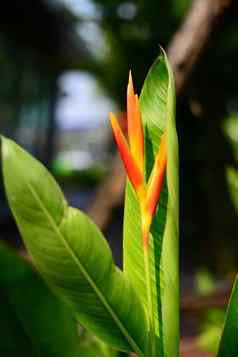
[[71, 253], [33, 321], [229, 341], [157, 103], [90, 346]]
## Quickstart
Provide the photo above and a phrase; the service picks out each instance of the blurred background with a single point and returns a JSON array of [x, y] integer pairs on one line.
[[64, 65]]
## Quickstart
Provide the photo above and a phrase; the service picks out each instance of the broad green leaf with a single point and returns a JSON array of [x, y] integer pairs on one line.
[[71, 253], [33, 321], [157, 103], [229, 341]]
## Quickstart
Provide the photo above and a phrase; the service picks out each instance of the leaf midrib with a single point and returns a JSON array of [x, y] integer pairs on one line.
[[98, 292]]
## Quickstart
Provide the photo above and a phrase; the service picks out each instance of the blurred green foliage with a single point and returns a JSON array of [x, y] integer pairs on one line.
[[211, 330], [205, 283]]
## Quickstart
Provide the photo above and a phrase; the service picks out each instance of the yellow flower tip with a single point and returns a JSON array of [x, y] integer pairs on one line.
[[112, 118], [118, 134], [130, 87]]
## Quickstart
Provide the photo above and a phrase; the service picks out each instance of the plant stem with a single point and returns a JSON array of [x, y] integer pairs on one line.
[[152, 341]]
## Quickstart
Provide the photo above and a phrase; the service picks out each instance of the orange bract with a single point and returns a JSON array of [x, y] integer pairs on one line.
[[135, 130], [132, 170], [155, 183]]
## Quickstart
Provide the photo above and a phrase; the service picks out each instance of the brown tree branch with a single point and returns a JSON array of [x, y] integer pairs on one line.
[[109, 195], [191, 39], [184, 51]]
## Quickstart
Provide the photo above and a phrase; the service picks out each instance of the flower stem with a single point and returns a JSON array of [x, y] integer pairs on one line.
[[152, 341]]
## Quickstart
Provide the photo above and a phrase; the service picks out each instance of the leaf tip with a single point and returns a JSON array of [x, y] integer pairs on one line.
[[5, 147]]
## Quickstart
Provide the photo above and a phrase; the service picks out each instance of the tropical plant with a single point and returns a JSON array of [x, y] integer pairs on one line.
[[137, 309]]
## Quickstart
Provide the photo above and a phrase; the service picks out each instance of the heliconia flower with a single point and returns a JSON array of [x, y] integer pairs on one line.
[[132, 156]]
